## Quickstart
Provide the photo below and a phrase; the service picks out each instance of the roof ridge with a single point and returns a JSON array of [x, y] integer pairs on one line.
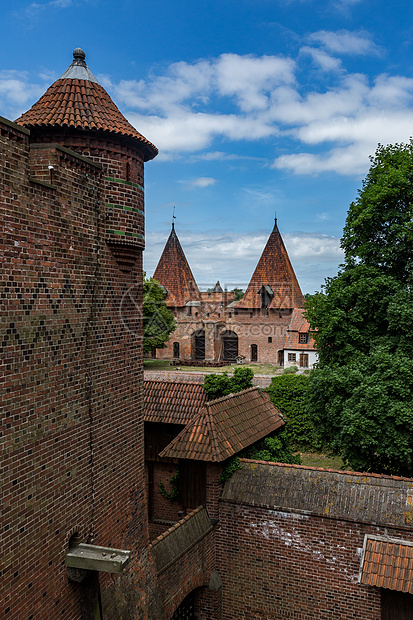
[[329, 469], [174, 381], [227, 396]]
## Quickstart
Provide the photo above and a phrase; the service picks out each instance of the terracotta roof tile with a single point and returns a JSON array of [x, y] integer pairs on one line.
[[226, 426], [298, 325], [387, 563], [174, 273], [274, 270], [172, 402], [82, 104]]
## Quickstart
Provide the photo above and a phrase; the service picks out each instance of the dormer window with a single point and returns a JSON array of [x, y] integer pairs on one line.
[[267, 295], [303, 338]]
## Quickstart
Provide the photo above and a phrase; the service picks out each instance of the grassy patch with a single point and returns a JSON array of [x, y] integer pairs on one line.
[[313, 459], [157, 364]]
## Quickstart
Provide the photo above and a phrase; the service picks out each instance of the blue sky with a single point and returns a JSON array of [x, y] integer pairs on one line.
[[256, 106]]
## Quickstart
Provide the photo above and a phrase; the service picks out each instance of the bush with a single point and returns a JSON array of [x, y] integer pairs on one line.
[[290, 370], [216, 385], [289, 394], [273, 448]]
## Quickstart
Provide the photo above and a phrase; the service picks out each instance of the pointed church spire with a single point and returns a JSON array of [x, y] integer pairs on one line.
[[174, 273], [273, 283]]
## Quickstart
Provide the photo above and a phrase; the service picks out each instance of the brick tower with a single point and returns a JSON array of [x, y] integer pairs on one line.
[[72, 199]]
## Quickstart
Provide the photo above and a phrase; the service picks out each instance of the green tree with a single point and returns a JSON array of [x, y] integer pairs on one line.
[[361, 393], [216, 385], [158, 321], [289, 394], [239, 293]]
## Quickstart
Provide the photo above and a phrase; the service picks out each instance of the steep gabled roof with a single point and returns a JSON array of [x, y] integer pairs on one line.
[[226, 426], [298, 325], [172, 402], [174, 273], [76, 100], [275, 273]]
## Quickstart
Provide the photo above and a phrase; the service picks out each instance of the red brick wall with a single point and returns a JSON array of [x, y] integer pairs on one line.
[[253, 327], [72, 432], [278, 564], [192, 554]]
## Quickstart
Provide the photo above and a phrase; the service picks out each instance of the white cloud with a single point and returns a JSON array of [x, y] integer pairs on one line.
[[345, 42], [17, 93], [322, 59], [251, 79], [193, 107], [200, 182]]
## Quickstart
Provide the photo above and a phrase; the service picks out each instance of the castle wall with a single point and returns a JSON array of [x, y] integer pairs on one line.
[[254, 327], [72, 430], [290, 541]]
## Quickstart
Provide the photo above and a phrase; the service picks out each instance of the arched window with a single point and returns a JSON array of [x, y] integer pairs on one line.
[[176, 349]]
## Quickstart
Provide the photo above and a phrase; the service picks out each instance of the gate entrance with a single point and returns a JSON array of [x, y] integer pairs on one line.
[[230, 348], [185, 610], [199, 344]]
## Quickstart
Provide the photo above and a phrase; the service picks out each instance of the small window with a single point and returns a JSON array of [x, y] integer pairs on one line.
[[196, 313], [251, 315], [236, 312], [230, 315], [292, 357], [176, 349], [269, 339], [303, 338], [189, 310], [153, 354]]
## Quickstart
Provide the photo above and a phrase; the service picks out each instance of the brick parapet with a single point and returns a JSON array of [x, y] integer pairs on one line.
[[262, 381]]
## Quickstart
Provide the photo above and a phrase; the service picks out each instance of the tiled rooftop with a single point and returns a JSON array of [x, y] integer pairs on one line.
[[298, 325], [274, 270], [226, 426], [172, 402], [387, 563], [174, 273], [81, 104]]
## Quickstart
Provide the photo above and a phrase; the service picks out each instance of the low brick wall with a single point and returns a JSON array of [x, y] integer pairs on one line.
[[262, 381], [184, 558], [290, 540]]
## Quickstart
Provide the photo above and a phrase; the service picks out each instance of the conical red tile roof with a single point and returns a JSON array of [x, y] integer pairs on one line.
[[174, 273], [274, 271], [76, 100]]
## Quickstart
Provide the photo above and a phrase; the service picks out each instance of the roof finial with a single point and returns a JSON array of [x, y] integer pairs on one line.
[[79, 54], [275, 220], [173, 218]]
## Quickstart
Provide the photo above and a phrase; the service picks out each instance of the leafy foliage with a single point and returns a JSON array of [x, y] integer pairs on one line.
[[216, 385], [289, 394], [274, 448], [239, 293], [361, 393], [290, 370], [173, 494], [158, 321]]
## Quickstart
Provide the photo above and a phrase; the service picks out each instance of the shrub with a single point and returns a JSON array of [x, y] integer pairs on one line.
[[289, 394]]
